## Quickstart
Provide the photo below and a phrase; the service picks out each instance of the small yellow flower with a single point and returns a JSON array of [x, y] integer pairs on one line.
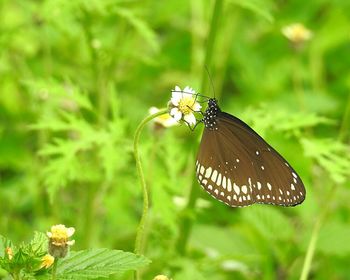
[[9, 252], [164, 120], [59, 235], [47, 261], [183, 105], [161, 277], [59, 240], [297, 33]]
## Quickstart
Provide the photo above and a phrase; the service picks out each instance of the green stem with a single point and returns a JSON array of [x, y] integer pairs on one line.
[[54, 270], [298, 80], [140, 234], [311, 248], [211, 41], [89, 215], [317, 227], [188, 213], [15, 276], [344, 128]]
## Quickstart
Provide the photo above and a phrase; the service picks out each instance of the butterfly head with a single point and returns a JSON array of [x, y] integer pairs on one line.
[[210, 114]]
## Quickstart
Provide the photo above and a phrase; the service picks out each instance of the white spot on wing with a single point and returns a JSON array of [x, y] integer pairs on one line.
[[224, 182], [214, 175], [208, 172], [236, 188], [229, 186], [218, 182]]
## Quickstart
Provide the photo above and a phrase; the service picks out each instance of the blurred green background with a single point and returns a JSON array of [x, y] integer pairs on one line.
[[77, 77]]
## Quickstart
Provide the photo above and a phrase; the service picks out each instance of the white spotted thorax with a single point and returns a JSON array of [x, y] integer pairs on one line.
[[236, 166], [210, 114]]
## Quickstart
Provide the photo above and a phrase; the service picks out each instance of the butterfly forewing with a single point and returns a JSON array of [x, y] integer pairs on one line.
[[236, 166]]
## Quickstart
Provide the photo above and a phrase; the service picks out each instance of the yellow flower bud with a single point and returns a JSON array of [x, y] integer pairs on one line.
[[161, 277], [47, 261], [59, 240]]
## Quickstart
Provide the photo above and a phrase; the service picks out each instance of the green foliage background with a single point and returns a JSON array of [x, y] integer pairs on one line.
[[76, 78]]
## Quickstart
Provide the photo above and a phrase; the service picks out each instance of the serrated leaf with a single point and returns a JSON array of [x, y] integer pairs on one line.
[[331, 154], [270, 223], [95, 263], [39, 243]]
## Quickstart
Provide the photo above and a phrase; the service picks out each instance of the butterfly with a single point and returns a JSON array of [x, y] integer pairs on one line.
[[236, 166]]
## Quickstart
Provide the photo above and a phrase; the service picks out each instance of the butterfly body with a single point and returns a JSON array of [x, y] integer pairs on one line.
[[236, 166]]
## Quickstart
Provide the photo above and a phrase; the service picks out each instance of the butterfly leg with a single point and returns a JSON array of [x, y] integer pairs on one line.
[[194, 127]]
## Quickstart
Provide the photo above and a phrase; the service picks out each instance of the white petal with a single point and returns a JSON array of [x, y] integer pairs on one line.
[[70, 231], [170, 122], [190, 118], [177, 88], [176, 97], [189, 90], [71, 242], [197, 106], [153, 110], [176, 114]]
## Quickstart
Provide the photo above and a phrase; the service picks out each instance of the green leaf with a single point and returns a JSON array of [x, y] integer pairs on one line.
[[260, 7], [140, 26], [331, 154], [270, 222], [39, 243], [95, 263], [334, 239]]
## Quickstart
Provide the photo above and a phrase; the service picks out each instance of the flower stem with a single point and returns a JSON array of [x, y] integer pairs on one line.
[[188, 213], [54, 270], [310, 252], [344, 127], [140, 234]]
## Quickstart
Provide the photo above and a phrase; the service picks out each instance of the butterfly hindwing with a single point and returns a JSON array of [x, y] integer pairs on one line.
[[235, 165]]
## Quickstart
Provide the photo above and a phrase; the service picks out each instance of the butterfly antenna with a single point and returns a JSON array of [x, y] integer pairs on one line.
[[211, 80]]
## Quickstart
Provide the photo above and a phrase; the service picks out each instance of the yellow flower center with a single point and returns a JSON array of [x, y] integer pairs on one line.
[[59, 233], [186, 105]]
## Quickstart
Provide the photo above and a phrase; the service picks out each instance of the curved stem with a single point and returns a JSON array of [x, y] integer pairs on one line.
[[139, 241]]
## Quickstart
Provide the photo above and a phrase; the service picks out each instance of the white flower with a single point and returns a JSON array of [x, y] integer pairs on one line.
[[297, 33], [164, 120], [184, 105]]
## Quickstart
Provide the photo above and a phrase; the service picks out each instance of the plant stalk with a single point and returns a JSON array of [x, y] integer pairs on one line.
[[188, 212], [140, 234], [54, 270]]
